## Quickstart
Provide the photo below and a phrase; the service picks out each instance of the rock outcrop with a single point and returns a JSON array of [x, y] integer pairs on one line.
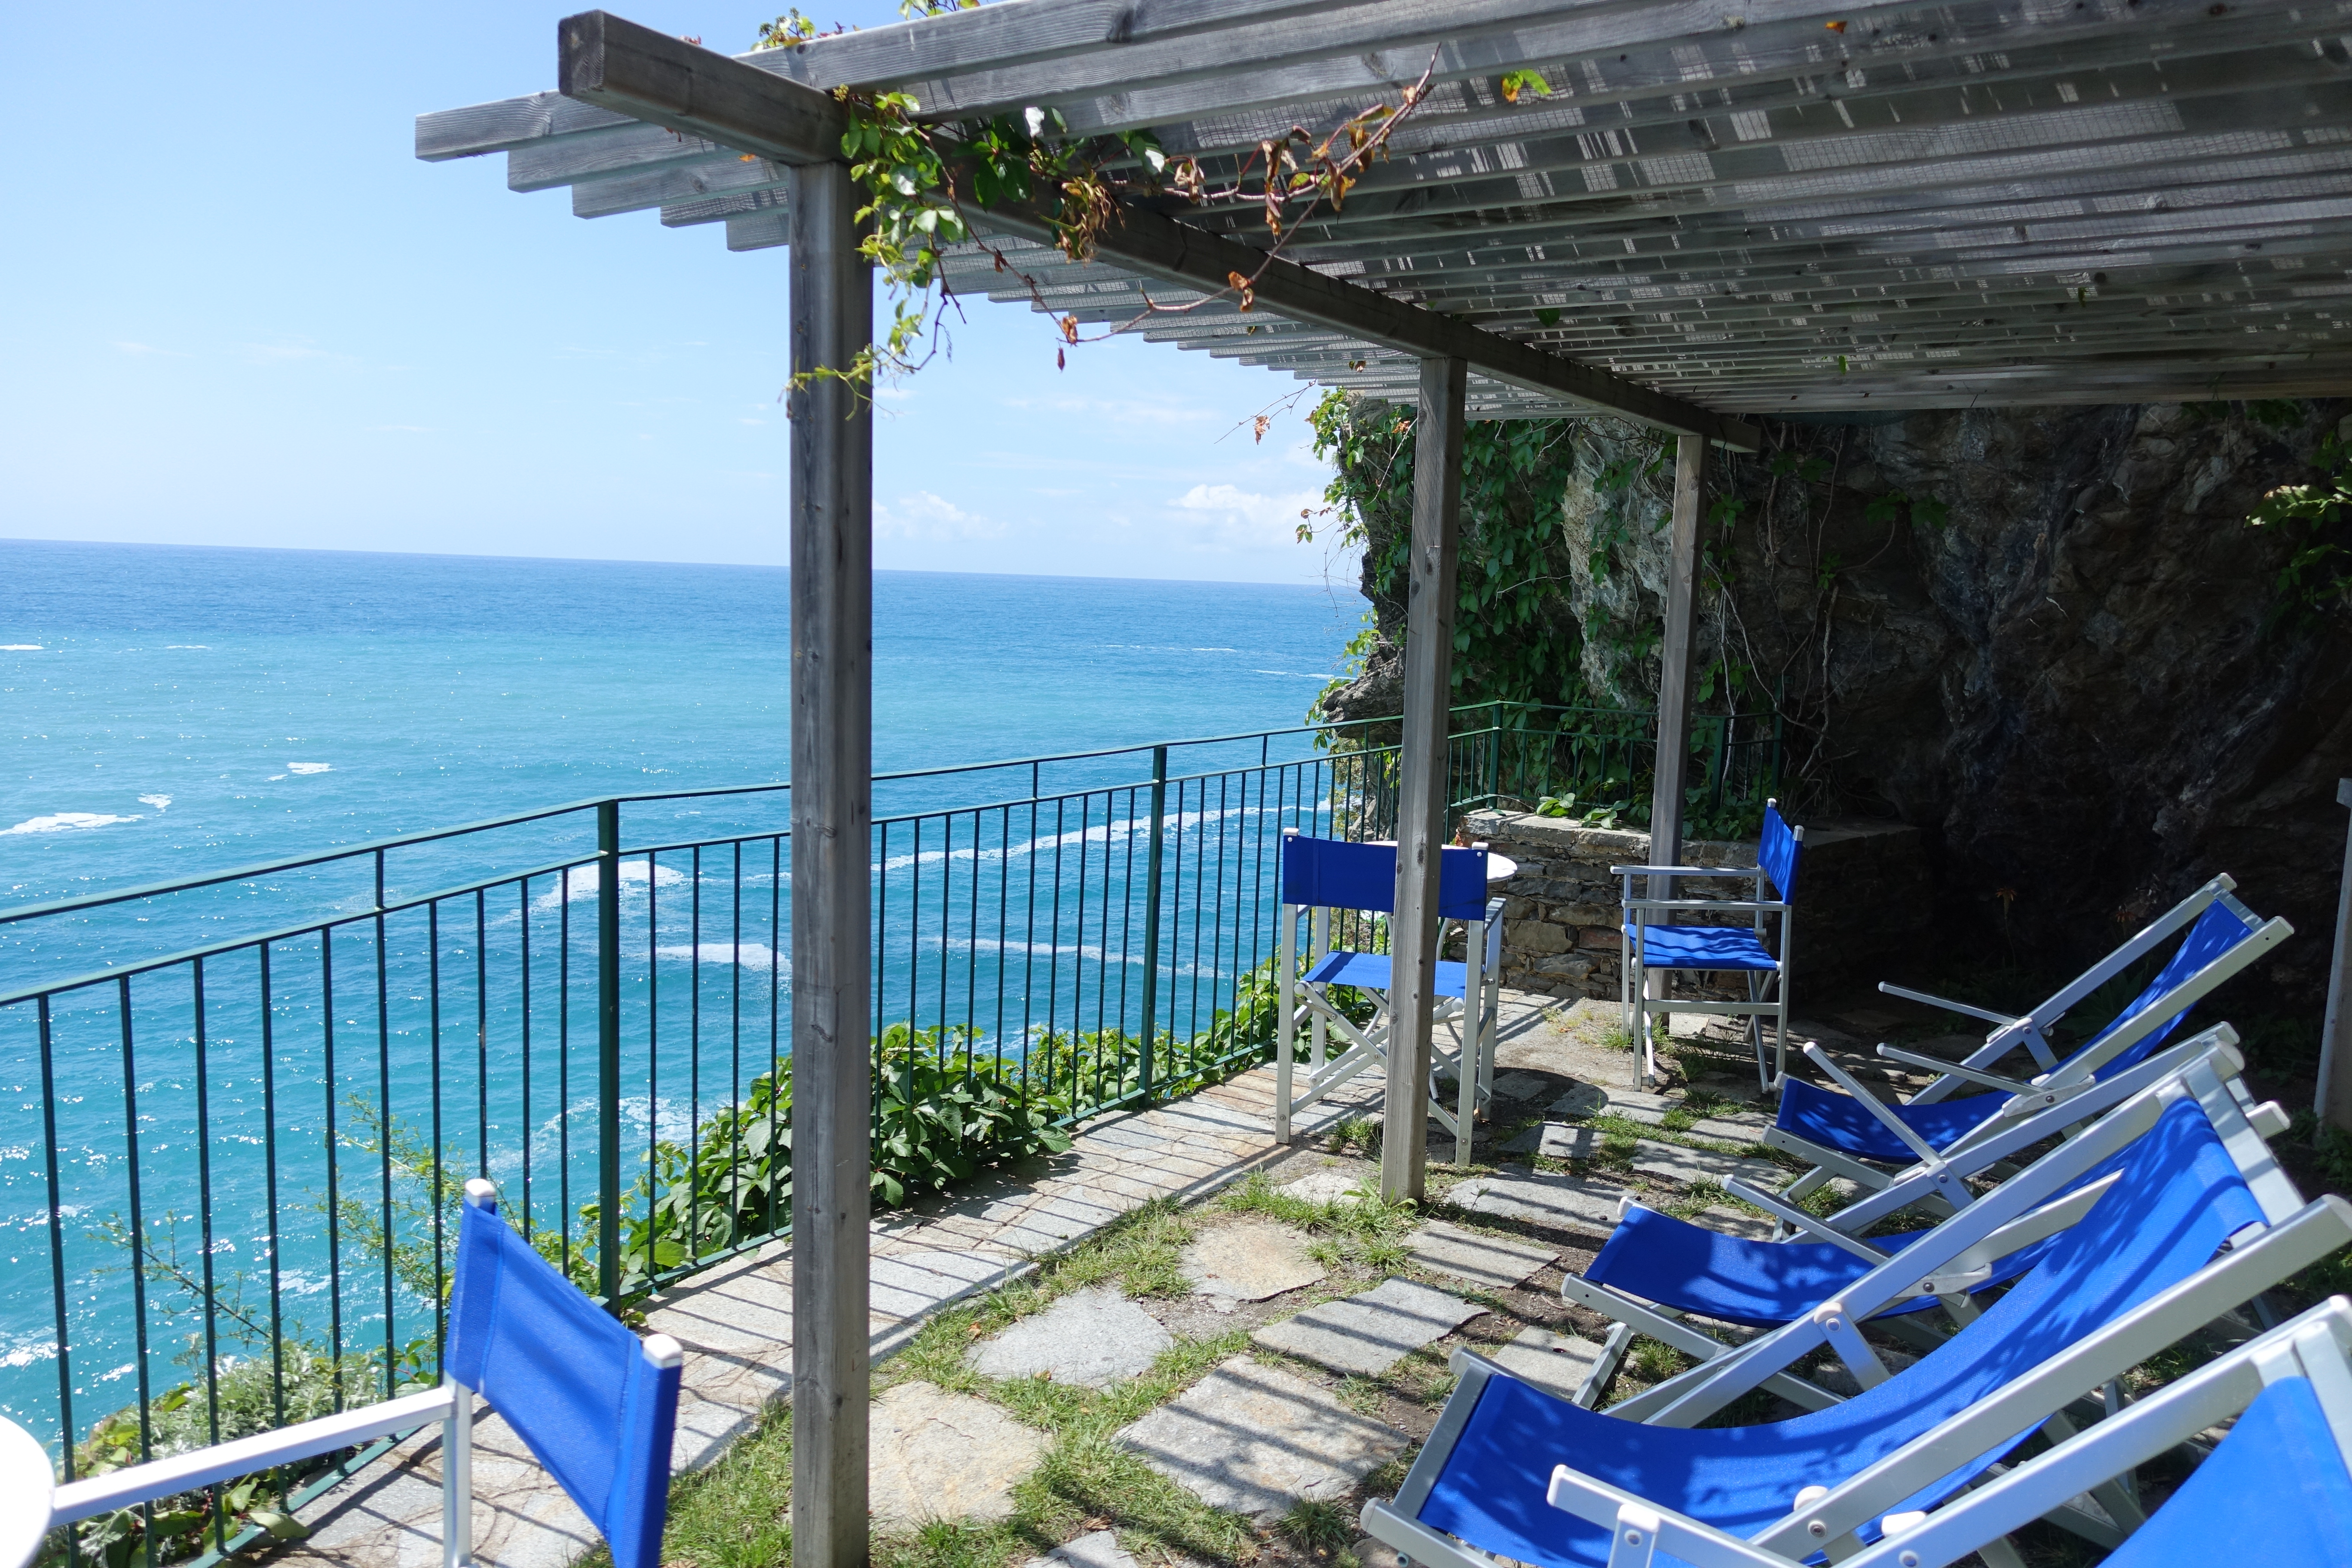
[[2044, 636]]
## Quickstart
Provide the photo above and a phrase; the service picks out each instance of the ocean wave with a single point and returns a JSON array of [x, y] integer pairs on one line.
[[586, 879], [159, 801], [24, 1352], [20, 648], [65, 821], [189, 646], [754, 955], [1126, 827], [309, 767], [1293, 674]]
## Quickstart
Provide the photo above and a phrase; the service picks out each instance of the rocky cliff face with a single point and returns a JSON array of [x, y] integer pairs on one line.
[[2044, 636]]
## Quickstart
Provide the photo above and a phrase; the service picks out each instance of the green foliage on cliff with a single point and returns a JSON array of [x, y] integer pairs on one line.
[[1513, 638]]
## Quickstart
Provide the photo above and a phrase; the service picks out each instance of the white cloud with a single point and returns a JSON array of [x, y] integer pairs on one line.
[[1232, 502], [403, 429], [138, 349], [925, 516], [283, 353], [1124, 412]]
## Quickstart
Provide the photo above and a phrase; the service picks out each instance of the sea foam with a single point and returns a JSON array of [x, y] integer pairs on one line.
[[65, 821]]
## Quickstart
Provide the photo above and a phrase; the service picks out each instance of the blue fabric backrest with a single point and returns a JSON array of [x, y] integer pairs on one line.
[[2217, 931], [1776, 851], [1334, 874], [571, 1381], [2275, 1493]]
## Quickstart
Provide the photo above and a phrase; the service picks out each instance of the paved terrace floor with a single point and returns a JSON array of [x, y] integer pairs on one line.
[[1539, 1198]]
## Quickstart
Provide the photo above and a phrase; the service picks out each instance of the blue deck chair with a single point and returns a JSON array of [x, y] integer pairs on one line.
[[595, 1404], [2144, 1268], [1662, 948], [1655, 1269], [1838, 1132], [2277, 1490], [1324, 877]]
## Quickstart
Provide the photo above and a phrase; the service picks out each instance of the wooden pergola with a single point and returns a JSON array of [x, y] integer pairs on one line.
[[1716, 209]]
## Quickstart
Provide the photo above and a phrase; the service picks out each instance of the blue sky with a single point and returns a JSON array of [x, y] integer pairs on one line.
[[243, 314]]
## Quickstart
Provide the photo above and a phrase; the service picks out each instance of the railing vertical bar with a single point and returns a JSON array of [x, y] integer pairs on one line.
[[653, 1046], [440, 1196], [334, 1199], [971, 953], [138, 1243], [608, 1050], [522, 910], [269, 1187], [1152, 860], [1003, 921], [204, 1231], [57, 1247], [735, 1044], [383, 1133], [693, 1062], [481, 1034], [562, 1083], [775, 1002], [914, 925]]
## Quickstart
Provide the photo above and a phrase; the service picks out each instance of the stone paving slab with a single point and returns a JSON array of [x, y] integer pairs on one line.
[[1672, 1162], [1498, 1262], [1331, 1185], [1515, 1194], [1554, 1362], [1737, 1222], [1519, 1086], [1248, 1260], [1093, 1338], [1254, 1439], [1370, 1332], [1099, 1550], [937, 1455]]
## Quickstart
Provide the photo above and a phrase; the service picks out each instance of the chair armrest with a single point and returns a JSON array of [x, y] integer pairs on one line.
[[1938, 1065], [1705, 904], [1812, 1225], [1949, 1007], [1685, 870]]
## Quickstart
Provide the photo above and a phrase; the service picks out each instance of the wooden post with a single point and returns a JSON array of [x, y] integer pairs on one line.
[[1420, 769], [833, 814], [2334, 1100], [1678, 653]]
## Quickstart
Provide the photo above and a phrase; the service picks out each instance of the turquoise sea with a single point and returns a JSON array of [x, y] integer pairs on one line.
[[169, 712]]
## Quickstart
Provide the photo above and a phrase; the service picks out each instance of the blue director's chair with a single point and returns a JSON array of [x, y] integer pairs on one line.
[[594, 1402], [1322, 877], [1739, 949]]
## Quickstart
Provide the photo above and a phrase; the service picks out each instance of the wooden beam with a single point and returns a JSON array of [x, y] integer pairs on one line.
[[617, 65], [1421, 764], [1155, 245], [833, 814]]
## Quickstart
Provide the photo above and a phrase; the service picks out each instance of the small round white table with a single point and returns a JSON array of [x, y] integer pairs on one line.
[[27, 1485]]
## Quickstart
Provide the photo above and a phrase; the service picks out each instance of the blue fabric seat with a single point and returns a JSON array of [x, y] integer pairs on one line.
[[1761, 1284], [596, 1404], [2179, 1196], [1371, 971], [1839, 1121], [1702, 947], [2275, 1493]]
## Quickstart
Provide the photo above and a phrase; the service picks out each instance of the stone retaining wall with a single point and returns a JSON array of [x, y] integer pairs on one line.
[[1861, 901]]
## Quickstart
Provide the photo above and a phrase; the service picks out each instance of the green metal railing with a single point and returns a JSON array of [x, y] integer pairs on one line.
[[261, 1091]]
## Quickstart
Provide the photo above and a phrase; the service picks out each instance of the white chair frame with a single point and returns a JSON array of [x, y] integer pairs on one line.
[[1474, 1019]]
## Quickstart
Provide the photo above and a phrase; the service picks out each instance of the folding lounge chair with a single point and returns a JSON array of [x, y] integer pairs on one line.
[[592, 1401], [2135, 1275], [1321, 876], [2277, 1490], [1838, 1132], [1662, 948], [1655, 1268]]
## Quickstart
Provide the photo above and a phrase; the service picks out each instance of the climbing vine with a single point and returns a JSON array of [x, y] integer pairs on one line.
[[2316, 575], [923, 181]]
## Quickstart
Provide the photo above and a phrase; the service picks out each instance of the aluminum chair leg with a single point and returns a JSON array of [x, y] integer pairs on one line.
[[1285, 1027], [458, 1481]]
